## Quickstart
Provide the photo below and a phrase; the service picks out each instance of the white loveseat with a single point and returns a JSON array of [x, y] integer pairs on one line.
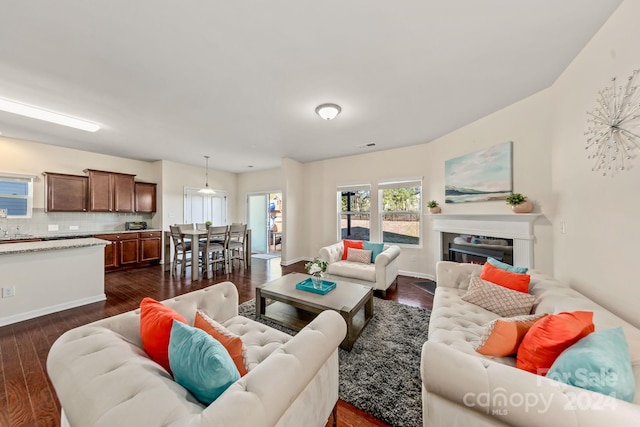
[[461, 387], [103, 377], [379, 275]]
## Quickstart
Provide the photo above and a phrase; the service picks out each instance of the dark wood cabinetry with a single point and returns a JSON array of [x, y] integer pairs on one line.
[[111, 191], [66, 193], [150, 245], [145, 197], [130, 250]]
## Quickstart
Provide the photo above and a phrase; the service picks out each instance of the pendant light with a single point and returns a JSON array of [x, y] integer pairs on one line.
[[206, 189]]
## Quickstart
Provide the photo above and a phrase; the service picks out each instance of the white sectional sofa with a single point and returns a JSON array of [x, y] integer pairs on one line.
[[461, 387], [379, 275], [103, 377]]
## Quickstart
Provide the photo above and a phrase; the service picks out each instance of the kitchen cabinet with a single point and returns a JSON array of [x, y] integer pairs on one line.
[[150, 245], [65, 193], [131, 250], [111, 191], [145, 197]]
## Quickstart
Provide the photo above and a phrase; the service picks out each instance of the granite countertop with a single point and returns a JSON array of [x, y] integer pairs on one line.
[[76, 234], [50, 245]]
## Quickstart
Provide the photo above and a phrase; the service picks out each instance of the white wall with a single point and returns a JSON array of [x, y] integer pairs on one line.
[[263, 181], [526, 123], [599, 249], [295, 218]]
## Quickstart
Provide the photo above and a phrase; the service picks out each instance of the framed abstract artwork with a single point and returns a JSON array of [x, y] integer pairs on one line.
[[480, 176]]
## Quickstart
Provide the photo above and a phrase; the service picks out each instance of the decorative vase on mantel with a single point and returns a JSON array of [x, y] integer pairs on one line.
[[524, 207], [435, 210]]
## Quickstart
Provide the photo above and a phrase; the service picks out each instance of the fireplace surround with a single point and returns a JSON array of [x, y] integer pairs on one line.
[[518, 227]]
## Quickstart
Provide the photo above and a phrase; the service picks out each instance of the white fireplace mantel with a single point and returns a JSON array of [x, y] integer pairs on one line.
[[518, 227]]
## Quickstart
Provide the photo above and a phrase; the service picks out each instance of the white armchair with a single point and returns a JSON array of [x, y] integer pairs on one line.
[[379, 275]]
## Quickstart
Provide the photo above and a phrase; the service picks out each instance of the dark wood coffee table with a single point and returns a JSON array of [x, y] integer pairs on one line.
[[295, 308]]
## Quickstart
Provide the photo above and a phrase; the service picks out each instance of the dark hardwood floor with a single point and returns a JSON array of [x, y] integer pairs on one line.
[[27, 397]]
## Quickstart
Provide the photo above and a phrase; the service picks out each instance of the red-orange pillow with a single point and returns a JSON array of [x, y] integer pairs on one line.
[[155, 329], [355, 244], [549, 337], [515, 281], [503, 336], [232, 342]]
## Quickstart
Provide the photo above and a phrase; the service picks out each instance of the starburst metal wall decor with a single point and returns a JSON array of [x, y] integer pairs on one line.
[[613, 139]]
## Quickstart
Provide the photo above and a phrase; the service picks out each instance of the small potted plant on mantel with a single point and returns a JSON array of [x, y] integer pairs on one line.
[[519, 203], [433, 207]]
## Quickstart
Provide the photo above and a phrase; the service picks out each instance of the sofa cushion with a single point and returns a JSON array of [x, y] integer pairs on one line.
[[515, 281], [356, 244], [353, 270], [503, 336], [156, 320], [200, 363], [507, 267], [359, 255], [599, 362], [375, 248], [231, 342], [500, 300], [549, 337]]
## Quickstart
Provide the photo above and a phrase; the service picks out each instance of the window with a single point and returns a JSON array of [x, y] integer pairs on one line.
[[16, 195], [355, 212], [401, 211]]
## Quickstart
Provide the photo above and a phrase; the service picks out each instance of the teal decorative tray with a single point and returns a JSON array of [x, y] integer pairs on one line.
[[307, 285]]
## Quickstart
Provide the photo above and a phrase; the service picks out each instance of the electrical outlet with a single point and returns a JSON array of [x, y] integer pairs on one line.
[[52, 227], [8, 291], [74, 227]]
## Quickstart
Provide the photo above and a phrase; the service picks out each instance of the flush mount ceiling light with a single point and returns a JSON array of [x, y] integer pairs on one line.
[[48, 116], [328, 111], [206, 189], [613, 138]]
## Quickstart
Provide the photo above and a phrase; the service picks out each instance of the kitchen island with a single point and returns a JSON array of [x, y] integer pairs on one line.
[[42, 277]]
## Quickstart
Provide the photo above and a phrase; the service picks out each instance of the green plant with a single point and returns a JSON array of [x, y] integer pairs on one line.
[[208, 223], [432, 204], [316, 267], [515, 199]]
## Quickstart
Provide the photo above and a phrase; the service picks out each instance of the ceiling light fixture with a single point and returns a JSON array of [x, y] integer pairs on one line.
[[328, 111], [48, 116], [206, 189]]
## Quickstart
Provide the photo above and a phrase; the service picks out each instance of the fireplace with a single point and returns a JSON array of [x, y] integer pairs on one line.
[[515, 230]]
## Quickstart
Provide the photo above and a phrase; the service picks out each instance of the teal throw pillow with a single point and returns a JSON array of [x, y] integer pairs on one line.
[[599, 362], [200, 363], [375, 248], [507, 267]]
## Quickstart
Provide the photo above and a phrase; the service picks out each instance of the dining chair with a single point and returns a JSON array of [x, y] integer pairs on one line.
[[185, 226], [180, 249], [237, 233], [215, 250]]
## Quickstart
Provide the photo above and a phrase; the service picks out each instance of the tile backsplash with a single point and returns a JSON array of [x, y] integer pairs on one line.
[[71, 222]]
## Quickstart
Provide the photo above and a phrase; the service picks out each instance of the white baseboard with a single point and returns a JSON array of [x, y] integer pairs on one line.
[[293, 261], [415, 274], [8, 320]]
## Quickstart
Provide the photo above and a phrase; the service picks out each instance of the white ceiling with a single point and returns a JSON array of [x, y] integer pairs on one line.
[[239, 80]]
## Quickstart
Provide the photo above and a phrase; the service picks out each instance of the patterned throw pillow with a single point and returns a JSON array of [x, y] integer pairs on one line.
[[232, 342], [500, 300], [359, 255], [502, 337]]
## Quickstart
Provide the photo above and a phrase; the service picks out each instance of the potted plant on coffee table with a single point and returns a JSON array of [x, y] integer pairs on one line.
[[519, 203], [433, 207], [316, 269]]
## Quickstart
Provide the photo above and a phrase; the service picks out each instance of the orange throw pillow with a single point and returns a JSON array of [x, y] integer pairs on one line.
[[515, 281], [549, 337], [502, 337], [355, 244], [155, 329], [232, 342]]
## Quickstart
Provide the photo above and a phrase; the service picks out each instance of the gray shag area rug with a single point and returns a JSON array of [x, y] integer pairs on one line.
[[381, 374]]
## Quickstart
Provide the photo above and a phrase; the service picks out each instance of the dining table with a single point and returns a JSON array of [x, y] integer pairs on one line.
[[194, 236]]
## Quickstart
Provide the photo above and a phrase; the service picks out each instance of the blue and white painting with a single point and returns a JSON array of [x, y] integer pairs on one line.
[[479, 176]]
